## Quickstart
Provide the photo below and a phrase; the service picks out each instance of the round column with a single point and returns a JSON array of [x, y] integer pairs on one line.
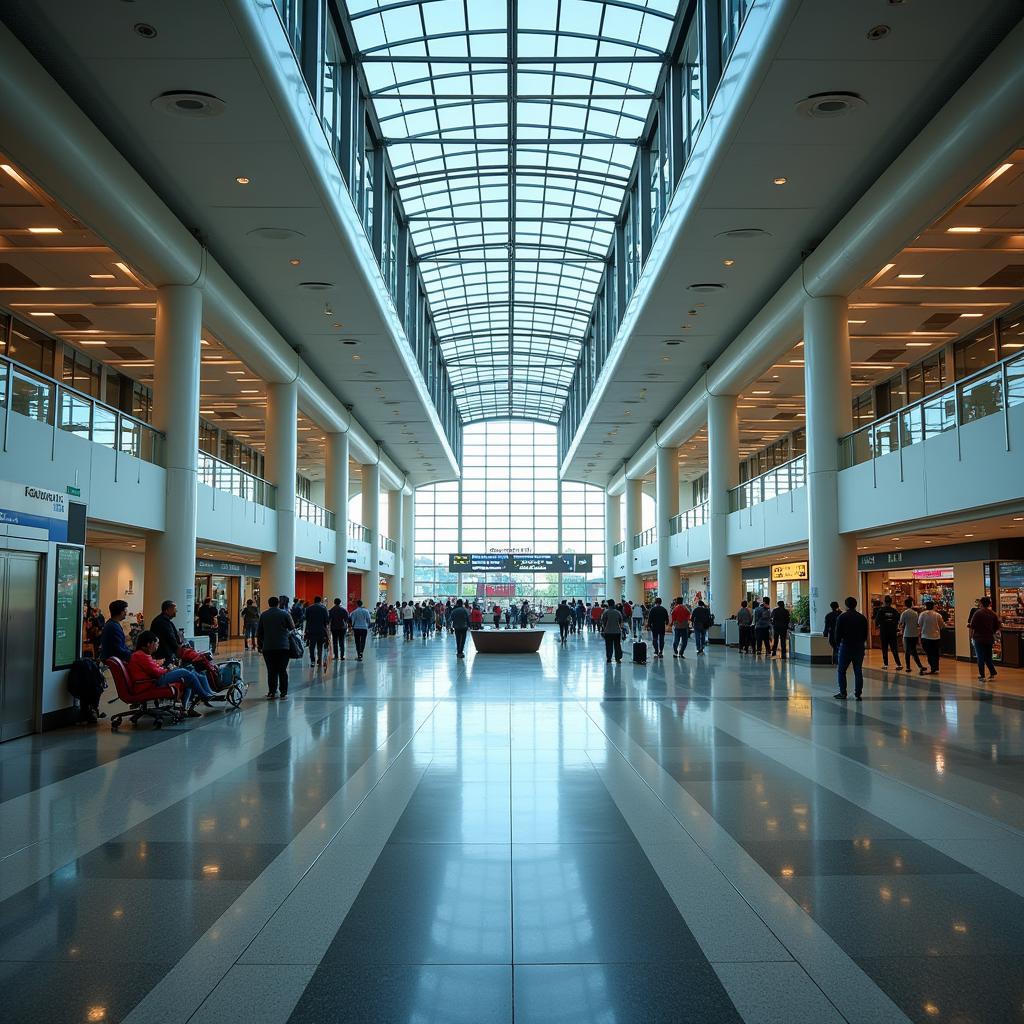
[[632, 584], [281, 467], [832, 556], [171, 555], [409, 539], [371, 520], [667, 499], [336, 499], [396, 502], [612, 532], [723, 474]]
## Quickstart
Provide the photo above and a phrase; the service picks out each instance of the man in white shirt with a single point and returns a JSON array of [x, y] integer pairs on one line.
[[911, 629], [407, 619], [931, 623], [360, 619]]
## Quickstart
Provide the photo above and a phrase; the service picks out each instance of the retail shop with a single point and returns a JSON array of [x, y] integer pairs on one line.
[[757, 582], [953, 578], [230, 584], [789, 581]]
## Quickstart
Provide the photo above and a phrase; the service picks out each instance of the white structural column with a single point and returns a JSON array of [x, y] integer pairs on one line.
[[281, 466], [371, 520], [396, 518], [409, 540], [171, 555], [336, 499], [632, 584], [612, 529], [833, 557], [667, 500], [723, 474]]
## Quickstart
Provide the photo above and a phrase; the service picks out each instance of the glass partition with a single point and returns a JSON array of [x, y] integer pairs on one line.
[[696, 516], [309, 512], [780, 480]]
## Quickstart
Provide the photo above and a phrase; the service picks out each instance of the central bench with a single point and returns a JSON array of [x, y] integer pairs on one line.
[[507, 641]]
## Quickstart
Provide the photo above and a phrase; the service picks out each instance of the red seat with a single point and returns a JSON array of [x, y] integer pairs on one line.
[[143, 699]]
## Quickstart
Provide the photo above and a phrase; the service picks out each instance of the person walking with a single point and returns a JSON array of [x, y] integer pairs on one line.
[[337, 619], [745, 621], [250, 619], [780, 628], [208, 624], [318, 621], [762, 628], [931, 623], [657, 622], [496, 615], [638, 620], [272, 633], [563, 616], [852, 640], [829, 632], [680, 628], [460, 627], [983, 628], [887, 619], [910, 625], [612, 627], [360, 619], [700, 620]]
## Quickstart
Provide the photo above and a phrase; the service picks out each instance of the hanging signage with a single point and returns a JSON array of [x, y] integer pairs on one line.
[[209, 565], [786, 572], [505, 562], [67, 600], [36, 507]]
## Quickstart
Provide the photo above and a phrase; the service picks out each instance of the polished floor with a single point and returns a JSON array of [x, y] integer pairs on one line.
[[538, 838]]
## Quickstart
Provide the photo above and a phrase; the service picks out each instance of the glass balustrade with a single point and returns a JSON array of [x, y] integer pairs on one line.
[[222, 476], [620, 548], [388, 544], [643, 539], [310, 512], [775, 482], [358, 532], [696, 516]]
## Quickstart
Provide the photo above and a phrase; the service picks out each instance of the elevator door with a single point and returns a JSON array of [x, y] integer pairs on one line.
[[21, 623]]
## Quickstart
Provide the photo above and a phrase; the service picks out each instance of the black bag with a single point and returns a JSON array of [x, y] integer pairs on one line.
[[86, 682], [640, 653], [295, 645]]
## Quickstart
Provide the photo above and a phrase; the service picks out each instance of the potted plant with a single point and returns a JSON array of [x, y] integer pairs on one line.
[[802, 614]]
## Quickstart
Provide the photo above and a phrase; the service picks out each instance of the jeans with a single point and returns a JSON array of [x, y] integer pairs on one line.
[[983, 650], [338, 642], [680, 638], [407, 628], [249, 633], [780, 640], [658, 639], [277, 671], [850, 655], [460, 642], [762, 638], [638, 625], [887, 638], [360, 638], [187, 681], [700, 638], [211, 632], [613, 645], [910, 651], [746, 638], [317, 648], [563, 631], [931, 651]]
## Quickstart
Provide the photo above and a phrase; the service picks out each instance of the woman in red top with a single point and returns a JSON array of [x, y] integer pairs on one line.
[[476, 617], [143, 668]]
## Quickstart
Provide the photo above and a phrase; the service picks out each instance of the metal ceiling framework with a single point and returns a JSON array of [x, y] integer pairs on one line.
[[512, 135]]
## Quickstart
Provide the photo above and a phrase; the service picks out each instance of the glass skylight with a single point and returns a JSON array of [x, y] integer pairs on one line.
[[512, 130]]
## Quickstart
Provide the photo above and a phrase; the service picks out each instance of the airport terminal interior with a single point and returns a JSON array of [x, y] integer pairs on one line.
[[511, 511]]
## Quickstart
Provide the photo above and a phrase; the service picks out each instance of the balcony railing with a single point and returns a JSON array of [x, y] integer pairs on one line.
[[37, 397], [310, 512], [620, 548], [779, 480], [696, 516], [357, 531], [643, 539], [222, 476], [388, 544], [990, 391]]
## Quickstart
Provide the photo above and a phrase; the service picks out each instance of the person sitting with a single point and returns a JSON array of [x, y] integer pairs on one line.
[[112, 639], [164, 629], [142, 667]]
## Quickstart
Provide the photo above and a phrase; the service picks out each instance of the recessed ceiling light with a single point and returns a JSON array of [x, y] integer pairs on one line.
[[242, 180], [779, 181], [295, 261], [356, 357], [102, 277], [971, 316], [856, 321], [962, 230], [968, 534], [910, 277], [45, 231], [42, 314], [728, 263], [830, 104]]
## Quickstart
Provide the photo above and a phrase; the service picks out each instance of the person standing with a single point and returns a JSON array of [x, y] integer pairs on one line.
[[460, 627], [250, 619], [360, 619], [983, 628], [272, 639], [887, 619], [208, 624], [524, 615], [317, 625], [337, 619], [829, 632], [762, 628], [780, 628], [612, 626], [680, 628], [931, 623], [657, 621], [563, 616], [638, 620], [700, 620], [496, 615], [408, 619], [910, 624], [852, 640], [745, 620]]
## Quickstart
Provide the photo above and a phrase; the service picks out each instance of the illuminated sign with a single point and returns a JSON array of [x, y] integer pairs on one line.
[[787, 571], [504, 562]]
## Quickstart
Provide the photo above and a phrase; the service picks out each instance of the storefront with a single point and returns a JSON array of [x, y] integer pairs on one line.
[[953, 578], [230, 584], [757, 583]]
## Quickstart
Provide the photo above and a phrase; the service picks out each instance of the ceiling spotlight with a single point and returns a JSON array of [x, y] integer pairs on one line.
[[878, 32], [779, 181], [728, 263], [830, 104], [356, 357], [242, 180], [295, 261]]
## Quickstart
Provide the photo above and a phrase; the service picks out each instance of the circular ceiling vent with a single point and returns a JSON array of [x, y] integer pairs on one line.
[[878, 32], [707, 286], [144, 29], [316, 286], [189, 104], [742, 233], [830, 104], [274, 234]]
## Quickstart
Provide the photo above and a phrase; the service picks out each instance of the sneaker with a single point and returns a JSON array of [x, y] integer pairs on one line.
[[192, 713], [284, 696], [992, 676], [271, 696], [839, 696], [858, 696]]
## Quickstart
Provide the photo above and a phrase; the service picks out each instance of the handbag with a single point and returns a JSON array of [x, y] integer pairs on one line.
[[295, 646]]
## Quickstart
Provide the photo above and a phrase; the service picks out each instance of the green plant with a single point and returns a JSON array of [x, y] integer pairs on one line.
[[802, 611]]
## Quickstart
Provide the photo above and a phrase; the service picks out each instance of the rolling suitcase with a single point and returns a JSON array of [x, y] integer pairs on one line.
[[639, 653]]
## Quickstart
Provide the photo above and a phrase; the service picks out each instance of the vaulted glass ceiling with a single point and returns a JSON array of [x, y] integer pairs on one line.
[[512, 130]]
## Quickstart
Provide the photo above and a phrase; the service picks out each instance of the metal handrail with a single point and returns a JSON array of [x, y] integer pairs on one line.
[[358, 532], [646, 537], [989, 391], [388, 544], [310, 512], [76, 412], [688, 520], [781, 479], [222, 476], [620, 548]]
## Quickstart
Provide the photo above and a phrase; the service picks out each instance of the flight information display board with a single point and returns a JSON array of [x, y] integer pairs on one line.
[[503, 562]]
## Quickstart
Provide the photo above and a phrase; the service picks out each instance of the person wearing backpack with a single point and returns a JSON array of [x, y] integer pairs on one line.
[[272, 639], [700, 620]]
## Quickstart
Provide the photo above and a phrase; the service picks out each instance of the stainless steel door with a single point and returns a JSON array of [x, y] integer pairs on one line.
[[21, 624]]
